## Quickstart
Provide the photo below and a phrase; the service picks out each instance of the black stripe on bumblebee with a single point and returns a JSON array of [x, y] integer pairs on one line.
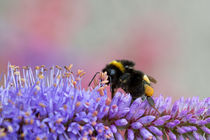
[[121, 74]]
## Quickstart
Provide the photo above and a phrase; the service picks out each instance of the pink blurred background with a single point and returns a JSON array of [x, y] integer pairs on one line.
[[168, 40]]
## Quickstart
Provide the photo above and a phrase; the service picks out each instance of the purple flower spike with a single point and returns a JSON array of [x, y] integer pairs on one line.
[[50, 104]]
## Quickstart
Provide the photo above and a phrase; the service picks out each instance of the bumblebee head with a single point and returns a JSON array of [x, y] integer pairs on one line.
[[114, 70]]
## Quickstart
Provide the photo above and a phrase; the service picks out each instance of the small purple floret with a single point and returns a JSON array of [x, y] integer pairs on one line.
[[145, 133], [121, 122], [147, 119], [136, 125], [155, 130], [171, 135], [130, 134]]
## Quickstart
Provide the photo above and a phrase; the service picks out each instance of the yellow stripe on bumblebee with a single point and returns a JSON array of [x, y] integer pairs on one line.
[[118, 65], [146, 79]]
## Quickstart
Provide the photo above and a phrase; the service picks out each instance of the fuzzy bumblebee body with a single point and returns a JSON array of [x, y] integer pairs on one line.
[[122, 74]]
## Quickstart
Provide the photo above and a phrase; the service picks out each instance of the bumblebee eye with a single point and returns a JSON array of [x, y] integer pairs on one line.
[[112, 72]]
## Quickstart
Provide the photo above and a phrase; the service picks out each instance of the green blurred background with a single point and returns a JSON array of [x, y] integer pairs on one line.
[[167, 39]]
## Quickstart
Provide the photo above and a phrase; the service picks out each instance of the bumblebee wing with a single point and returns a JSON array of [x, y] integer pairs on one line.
[[153, 80], [124, 80]]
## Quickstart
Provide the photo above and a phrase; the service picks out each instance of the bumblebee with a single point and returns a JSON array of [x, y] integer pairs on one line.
[[121, 74]]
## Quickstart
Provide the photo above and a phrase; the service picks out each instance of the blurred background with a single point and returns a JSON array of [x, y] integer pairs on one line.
[[166, 39]]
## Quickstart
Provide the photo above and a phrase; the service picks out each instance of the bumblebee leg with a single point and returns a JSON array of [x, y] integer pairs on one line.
[[113, 90], [143, 97], [133, 98], [152, 103]]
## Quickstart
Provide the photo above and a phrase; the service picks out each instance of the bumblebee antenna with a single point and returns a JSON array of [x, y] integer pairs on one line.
[[152, 103], [93, 78]]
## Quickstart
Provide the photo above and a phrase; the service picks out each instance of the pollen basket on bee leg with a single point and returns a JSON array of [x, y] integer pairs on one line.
[[148, 90]]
